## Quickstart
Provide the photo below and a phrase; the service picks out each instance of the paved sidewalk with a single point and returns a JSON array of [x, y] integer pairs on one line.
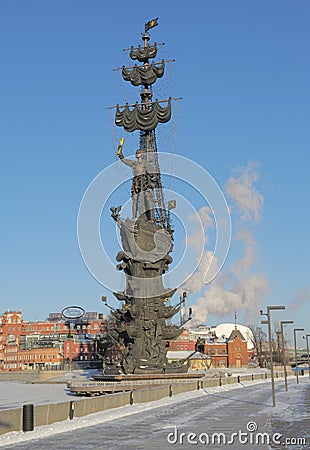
[[230, 410]]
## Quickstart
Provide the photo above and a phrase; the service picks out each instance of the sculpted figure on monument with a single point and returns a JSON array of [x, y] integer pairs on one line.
[[142, 184]]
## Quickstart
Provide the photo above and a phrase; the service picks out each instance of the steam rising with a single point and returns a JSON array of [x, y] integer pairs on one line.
[[243, 284], [244, 194], [302, 296]]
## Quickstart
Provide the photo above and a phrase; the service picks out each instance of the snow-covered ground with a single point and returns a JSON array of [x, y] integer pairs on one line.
[[147, 425], [15, 394]]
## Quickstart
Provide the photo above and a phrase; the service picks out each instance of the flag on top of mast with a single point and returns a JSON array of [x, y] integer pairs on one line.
[[151, 24]]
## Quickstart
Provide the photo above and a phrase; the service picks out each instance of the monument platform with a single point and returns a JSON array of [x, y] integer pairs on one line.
[[108, 384], [176, 377]]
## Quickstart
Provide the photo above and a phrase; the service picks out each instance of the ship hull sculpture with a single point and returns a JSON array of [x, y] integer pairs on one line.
[[141, 333]]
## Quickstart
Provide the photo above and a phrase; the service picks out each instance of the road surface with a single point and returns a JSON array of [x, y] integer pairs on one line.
[[189, 421]]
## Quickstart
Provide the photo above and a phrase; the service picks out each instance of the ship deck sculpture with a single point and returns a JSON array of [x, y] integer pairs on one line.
[[143, 329]]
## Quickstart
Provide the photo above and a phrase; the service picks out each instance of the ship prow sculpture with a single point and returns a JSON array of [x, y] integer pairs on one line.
[[143, 329]]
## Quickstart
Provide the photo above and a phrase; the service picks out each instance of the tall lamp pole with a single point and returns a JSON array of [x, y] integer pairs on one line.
[[295, 347], [268, 322], [306, 337], [284, 322]]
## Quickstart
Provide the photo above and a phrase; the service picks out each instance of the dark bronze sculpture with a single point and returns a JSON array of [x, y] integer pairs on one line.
[[142, 333]]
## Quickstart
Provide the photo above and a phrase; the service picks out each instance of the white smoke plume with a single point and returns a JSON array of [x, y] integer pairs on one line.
[[302, 296], [244, 194], [242, 285], [196, 282], [197, 242]]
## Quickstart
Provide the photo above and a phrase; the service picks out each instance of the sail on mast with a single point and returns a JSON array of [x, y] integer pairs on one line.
[[143, 54], [144, 117]]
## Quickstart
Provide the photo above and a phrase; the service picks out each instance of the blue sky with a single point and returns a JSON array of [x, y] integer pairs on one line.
[[242, 69]]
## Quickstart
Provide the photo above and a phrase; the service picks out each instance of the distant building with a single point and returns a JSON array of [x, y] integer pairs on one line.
[[237, 350], [184, 342], [223, 351], [58, 343], [197, 360], [52, 344]]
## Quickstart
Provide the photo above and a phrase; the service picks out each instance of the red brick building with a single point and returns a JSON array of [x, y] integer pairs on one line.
[[184, 342], [51, 344], [237, 350], [218, 351], [57, 343], [224, 352]]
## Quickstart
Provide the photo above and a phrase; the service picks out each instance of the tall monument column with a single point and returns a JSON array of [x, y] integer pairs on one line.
[[142, 329]]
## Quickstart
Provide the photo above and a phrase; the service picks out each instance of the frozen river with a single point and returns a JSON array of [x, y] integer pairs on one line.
[[186, 421]]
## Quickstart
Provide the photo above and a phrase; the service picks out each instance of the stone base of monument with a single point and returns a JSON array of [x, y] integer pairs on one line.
[[107, 384], [165, 378]]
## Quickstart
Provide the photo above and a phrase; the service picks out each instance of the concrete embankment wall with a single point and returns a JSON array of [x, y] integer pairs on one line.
[[24, 377], [31, 376], [12, 419]]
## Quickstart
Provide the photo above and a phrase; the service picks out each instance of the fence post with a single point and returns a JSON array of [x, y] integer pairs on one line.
[[170, 390], [131, 398], [28, 417], [71, 409]]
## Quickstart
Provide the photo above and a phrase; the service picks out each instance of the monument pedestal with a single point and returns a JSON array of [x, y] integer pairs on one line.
[[109, 384]]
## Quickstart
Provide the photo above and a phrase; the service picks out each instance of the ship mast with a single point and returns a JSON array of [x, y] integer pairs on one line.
[[148, 143], [145, 117]]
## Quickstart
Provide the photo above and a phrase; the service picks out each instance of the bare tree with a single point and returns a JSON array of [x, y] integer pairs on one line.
[[277, 344], [258, 337]]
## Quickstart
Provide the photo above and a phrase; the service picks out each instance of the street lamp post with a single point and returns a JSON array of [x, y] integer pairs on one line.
[[306, 337], [62, 364], [268, 322], [284, 322], [296, 365]]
